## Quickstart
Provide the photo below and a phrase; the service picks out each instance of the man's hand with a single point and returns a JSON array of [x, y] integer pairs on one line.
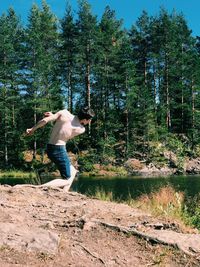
[[29, 131], [49, 116], [48, 113]]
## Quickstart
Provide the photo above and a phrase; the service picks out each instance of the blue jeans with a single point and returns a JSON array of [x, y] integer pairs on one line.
[[58, 155]]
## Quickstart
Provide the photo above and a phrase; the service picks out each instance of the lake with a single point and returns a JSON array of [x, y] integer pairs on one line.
[[124, 188]]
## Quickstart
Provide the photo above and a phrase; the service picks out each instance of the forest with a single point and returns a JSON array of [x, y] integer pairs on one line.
[[143, 83]]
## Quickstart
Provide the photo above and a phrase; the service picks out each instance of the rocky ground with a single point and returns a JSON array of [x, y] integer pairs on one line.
[[141, 168], [137, 167], [49, 227]]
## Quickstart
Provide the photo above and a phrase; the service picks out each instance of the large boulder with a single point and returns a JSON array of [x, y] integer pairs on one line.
[[136, 167], [192, 166], [171, 157]]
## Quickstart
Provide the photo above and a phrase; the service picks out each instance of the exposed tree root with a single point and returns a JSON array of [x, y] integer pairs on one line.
[[149, 237]]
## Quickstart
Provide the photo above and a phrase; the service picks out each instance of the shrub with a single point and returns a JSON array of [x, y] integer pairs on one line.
[[192, 211], [166, 201]]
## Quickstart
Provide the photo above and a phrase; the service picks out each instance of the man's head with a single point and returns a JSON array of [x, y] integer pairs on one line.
[[85, 115]]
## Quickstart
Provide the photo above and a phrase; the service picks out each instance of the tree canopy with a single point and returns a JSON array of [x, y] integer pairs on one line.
[[143, 83]]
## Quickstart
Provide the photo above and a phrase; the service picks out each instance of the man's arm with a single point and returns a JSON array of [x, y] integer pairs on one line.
[[49, 117]]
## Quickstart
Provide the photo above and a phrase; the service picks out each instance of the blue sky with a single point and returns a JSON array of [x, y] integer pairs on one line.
[[128, 10]]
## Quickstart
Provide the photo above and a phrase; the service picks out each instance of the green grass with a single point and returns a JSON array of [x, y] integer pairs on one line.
[[14, 177], [165, 202], [17, 174], [101, 194]]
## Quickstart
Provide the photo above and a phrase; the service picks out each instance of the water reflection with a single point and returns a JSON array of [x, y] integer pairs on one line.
[[123, 188]]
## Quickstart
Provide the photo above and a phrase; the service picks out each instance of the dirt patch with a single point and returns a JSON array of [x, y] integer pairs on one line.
[[48, 227]]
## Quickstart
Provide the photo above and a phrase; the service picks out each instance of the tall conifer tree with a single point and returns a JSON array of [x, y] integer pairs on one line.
[[42, 83], [68, 57], [87, 32], [10, 43]]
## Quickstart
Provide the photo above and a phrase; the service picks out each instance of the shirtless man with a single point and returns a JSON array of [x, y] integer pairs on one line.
[[66, 127]]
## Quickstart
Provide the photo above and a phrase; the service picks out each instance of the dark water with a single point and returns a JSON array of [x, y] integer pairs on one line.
[[124, 188]]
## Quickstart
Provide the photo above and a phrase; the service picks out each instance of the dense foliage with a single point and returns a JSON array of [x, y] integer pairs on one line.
[[143, 83]]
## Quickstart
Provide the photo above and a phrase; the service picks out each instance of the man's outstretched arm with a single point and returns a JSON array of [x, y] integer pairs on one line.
[[49, 116]]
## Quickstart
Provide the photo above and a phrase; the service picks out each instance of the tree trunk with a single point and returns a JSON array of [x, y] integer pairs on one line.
[[155, 79], [69, 95], [88, 86], [35, 115], [35, 142], [182, 97], [145, 72], [6, 139], [168, 119], [127, 123], [193, 113], [88, 78]]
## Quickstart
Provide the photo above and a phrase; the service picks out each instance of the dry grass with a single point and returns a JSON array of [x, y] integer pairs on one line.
[[166, 201]]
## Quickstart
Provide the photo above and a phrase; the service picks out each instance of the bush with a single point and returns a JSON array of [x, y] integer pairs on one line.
[[165, 201], [87, 160], [192, 211]]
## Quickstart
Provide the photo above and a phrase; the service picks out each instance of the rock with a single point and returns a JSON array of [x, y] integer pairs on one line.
[[189, 243], [40, 227], [192, 166], [137, 167], [28, 238], [172, 158], [134, 165]]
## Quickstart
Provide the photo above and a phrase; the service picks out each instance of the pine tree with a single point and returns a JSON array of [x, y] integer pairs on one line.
[[108, 86], [68, 55], [144, 98], [41, 64], [193, 65], [128, 92], [171, 38], [10, 43], [86, 44]]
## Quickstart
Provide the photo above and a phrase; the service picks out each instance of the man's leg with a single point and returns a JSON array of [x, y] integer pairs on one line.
[[58, 155], [56, 183], [71, 179], [62, 183]]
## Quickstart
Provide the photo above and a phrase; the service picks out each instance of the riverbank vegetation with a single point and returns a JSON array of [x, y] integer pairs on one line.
[[143, 84], [17, 174], [165, 202]]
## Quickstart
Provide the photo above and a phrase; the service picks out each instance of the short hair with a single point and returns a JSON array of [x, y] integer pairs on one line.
[[86, 113]]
